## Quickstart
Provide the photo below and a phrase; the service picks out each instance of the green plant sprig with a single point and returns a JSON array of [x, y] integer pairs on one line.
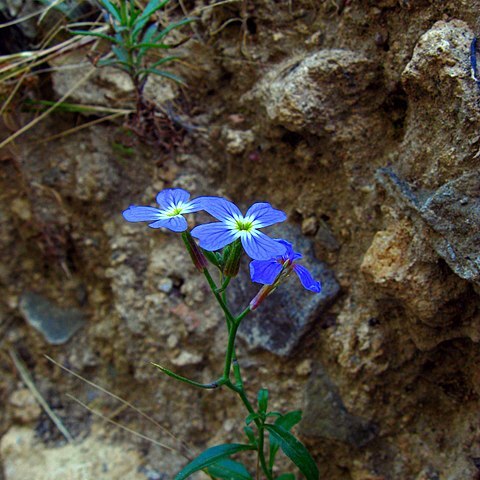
[[134, 34], [216, 461]]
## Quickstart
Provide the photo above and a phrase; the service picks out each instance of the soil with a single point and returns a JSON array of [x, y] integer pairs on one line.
[[360, 120]]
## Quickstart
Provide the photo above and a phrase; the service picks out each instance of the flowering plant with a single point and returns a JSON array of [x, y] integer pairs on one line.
[[221, 244]]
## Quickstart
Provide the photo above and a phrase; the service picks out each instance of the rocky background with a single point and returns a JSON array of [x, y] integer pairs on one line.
[[358, 118]]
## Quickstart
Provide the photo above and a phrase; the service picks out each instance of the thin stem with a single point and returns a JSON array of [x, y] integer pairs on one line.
[[212, 385], [230, 349], [213, 287], [242, 315], [224, 286], [243, 396], [261, 454]]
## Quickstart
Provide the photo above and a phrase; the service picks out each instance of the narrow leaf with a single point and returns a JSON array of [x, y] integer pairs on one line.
[[111, 9], [295, 451], [262, 400], [286, 421], [88, 33], [151, 30], [211, 456], [121, 54], [162, 73], [229, 469], [286, 476], [151, 45], [163, 61], [251, 417], [251, 436], [150, 9], [173, 26], [289, 420]]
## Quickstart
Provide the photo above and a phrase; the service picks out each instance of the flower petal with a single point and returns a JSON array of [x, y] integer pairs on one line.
[[172, 196], [264, 271], [192, 206], [289, 254], [219, 207], [175, 224], [213, 236], [260, 247], [306, 279], [265, 214], [137, 213]]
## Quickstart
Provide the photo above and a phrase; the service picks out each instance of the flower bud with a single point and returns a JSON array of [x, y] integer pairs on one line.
[[262, 294], [197, 256], [232, 261]]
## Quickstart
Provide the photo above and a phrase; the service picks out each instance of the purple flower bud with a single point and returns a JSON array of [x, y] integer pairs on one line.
[[197, 256]]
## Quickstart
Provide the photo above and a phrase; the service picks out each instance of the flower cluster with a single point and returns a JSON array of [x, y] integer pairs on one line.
[[273, 259]]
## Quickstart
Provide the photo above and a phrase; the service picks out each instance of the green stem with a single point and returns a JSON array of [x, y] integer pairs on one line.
[[261, 454], [213, 287], [224, 286], [233, 323], [239, 390], [230, 349], [168, 372]]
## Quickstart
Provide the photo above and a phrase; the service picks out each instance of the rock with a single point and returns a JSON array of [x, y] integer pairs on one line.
[[106, 86], [237, 141], [25, 408], [394, 263], [95, 178], [314, 92], [187, 358], [325, 414], [56, 324], [24, 456], [310, 225], [440, 69], [452, 214], [286, 315]]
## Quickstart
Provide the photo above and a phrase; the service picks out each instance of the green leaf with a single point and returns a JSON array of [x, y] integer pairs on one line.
[[211, 257], [162, 73], [286, 421], [151, 45], [88, 33], [273, 414], [121, 54], [150, 9], [163, 61], [251, 435], [172, 26], [123, 12], [286, 476], [111, 9], [251, 417], [289, 420], [151, 30], [229, 469], [295, 451], [211, 456], [262, 400]]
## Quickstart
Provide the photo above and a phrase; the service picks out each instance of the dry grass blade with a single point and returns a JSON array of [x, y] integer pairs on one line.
[[123, 427], [27, 380], [214, 5], [116, 397], [79, 127], [21, 19], [12, 93], [48, 111]]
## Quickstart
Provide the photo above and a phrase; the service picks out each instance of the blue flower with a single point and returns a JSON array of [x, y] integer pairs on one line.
[[233, 225], [174, 202], [274, 270]]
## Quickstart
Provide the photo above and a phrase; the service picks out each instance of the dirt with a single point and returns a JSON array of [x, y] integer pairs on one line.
[[300, 105]]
